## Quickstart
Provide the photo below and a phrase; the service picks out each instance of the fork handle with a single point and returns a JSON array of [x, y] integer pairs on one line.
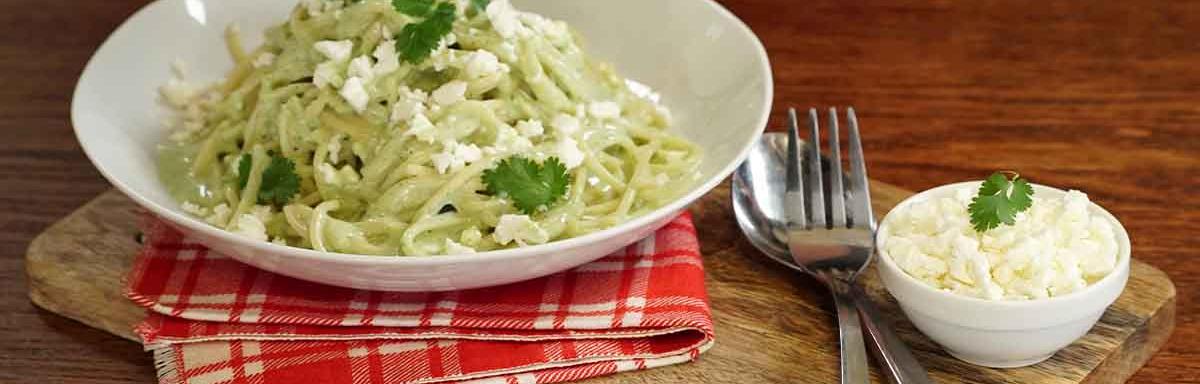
[[853, 349], [897, 361]]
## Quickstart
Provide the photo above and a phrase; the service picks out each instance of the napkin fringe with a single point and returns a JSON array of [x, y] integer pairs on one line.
[[165, 364]]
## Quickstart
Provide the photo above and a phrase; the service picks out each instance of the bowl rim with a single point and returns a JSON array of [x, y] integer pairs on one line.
[[1124, 255], [195, 225]]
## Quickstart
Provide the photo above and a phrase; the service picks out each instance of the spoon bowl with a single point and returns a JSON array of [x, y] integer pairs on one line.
[[758, 198]]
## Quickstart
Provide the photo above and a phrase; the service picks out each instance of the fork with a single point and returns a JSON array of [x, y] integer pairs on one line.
[[836, 244]]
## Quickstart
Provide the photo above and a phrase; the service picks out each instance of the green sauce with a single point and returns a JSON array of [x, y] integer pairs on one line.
[[175, 172]]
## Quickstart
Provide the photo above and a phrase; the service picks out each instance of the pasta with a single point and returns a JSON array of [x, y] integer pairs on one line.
[[326, 137]]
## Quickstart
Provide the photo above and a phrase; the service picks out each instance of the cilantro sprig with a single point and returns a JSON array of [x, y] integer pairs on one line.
[[418, 40], [481, 5], [280, 183], [530, 185], [1000, 199], [415, 8]]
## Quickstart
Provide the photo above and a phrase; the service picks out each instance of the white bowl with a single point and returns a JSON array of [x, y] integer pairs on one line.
[[710, 68], [1002, 334]]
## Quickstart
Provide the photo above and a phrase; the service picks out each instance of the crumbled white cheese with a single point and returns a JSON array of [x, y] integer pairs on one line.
[[337, 51], [455, 155], [509, 141], [264, 60], [386, 59], [565, 125], [442, 59], [409, 103], [521, 229], [604, 110], [262, 212], [220, 215], [191, 120], [329, 72], [355, 94], [1054, 248], [531, 128], [447, 41], [454, 248], [178, 93], [326, 74], [482, 63], [335, 147], [569, 153], [344, 176], [328, 173], [194, 209], [504, 18], [471, 237], [422, 128], [664, 113], [450, 93], [361, 67], [251, 227], [643, 91]]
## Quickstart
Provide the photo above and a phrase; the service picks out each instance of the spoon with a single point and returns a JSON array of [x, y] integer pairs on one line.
[[759, 189]]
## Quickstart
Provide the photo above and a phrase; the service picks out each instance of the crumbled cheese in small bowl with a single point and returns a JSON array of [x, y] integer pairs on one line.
[[1011, 296]]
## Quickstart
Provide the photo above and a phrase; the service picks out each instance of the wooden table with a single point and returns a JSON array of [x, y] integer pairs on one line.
[[1104, 97]]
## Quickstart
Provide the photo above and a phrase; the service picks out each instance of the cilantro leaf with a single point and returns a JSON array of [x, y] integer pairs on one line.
[[481, 5], [999, 201], [530, 186], [415, 8], [280, 183], [418, 40], [244, 165]]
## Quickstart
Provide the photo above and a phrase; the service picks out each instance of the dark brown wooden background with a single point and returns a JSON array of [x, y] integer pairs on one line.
[[1099, 96]]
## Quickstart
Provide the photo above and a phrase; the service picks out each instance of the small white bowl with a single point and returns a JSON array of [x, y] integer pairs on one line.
[[1002, 334], [710, 68]]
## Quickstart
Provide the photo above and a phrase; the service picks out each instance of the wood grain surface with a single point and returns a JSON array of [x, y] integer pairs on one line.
[[1100, 96], [772, 325]]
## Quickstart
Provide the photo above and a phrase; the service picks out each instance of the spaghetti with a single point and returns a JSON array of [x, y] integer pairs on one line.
[[389, 154]]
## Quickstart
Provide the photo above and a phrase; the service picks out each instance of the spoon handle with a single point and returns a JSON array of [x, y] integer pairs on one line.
[[898, 362], [853, 349]]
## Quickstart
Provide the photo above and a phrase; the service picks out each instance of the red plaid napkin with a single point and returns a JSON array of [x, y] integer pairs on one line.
[[214, 320]]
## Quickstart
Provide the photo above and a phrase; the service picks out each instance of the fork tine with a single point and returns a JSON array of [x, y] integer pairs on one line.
[[794, 200], [860, 193], [816, 186], [837, 199]]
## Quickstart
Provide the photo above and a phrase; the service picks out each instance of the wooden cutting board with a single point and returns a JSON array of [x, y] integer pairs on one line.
[[773, 325]]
